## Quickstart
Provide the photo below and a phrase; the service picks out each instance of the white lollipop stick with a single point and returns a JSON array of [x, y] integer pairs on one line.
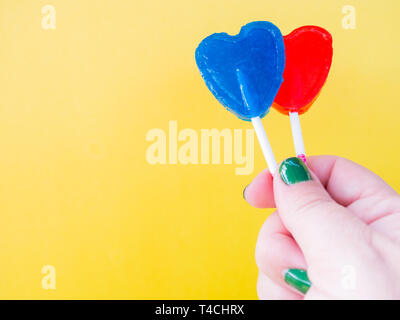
[[248, 101], [297, 135], [264, 143]]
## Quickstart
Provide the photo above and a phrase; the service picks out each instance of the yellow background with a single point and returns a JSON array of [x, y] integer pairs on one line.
[[76, 103]]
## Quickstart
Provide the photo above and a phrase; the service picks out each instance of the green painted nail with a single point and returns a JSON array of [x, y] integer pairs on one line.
[[298, 279], [293, 170]]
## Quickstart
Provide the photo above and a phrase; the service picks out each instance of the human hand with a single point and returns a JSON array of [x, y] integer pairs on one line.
[[337, 220]]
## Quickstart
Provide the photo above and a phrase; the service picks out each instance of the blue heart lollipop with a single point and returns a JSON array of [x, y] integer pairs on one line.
[[244, 72]]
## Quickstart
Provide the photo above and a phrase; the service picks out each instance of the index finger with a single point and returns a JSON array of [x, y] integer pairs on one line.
[[347, 181]]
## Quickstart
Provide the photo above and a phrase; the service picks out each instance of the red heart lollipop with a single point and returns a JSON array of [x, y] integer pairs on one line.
[[308, 61]]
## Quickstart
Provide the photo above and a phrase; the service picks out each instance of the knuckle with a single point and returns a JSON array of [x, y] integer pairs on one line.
[[313, 204], [261, 255], [265, 254]]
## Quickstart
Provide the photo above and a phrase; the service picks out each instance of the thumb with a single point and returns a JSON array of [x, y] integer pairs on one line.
[[321, 227]]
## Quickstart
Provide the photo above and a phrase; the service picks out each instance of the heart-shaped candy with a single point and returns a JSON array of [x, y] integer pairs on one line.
[[244, 72], [308, 61]]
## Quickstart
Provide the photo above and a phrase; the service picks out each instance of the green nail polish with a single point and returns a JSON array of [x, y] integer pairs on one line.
[[298, 279], [293, 170]]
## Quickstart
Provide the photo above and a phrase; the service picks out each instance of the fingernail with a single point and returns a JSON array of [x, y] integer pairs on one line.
[[298, 279], [293, 170], [244, 192]]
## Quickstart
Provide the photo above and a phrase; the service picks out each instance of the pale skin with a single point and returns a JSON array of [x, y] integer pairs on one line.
[[343, 227]]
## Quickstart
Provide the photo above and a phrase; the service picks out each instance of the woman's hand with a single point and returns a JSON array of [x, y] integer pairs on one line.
[[336, 220]]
